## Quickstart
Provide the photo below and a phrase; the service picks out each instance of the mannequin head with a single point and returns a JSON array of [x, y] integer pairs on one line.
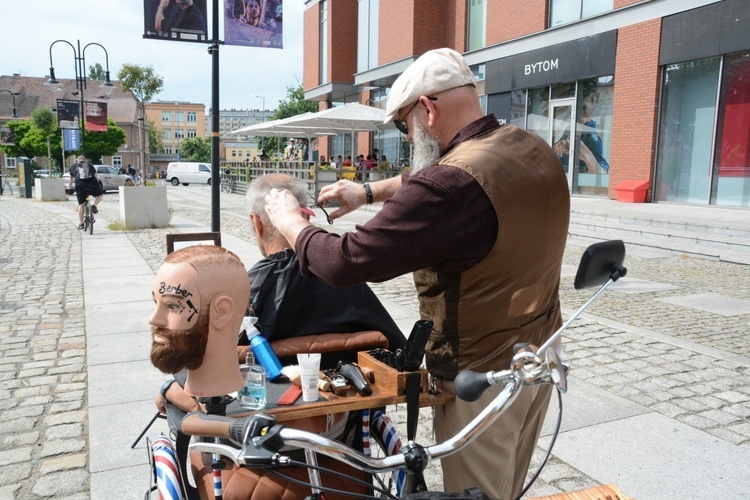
[[201, 295]]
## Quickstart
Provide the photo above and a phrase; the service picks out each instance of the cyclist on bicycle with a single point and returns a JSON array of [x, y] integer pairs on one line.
[[86, 184]]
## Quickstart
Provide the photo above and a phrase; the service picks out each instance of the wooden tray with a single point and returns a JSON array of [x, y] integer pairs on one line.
[[388, 379]]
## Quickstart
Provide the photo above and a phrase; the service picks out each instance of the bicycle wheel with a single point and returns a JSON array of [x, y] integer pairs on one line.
[[384, 441]]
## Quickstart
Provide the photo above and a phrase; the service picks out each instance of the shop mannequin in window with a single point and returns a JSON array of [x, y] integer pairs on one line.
[[200, 295]]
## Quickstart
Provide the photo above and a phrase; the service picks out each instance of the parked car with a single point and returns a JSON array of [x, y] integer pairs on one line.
[[108, 176], [185, 172], [43, 174]]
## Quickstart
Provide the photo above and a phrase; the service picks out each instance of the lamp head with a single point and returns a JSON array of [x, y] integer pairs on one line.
[[52, 80], [107, 86]]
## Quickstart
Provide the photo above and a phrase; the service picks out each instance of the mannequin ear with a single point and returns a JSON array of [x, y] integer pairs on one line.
[[222, 310]]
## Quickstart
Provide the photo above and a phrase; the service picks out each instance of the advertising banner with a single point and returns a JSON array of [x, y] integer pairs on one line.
[[178, 20], [68, 113], [7, 138], [71, 139], [96, 116], [253, 23]]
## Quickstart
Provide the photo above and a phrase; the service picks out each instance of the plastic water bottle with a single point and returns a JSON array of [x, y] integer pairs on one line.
[[262, 350], [252, 395]]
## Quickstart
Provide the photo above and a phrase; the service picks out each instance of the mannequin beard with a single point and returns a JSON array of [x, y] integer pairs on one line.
[[184, 348], [425, 148]]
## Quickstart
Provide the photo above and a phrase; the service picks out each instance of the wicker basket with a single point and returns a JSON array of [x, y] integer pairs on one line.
[[605, 492]]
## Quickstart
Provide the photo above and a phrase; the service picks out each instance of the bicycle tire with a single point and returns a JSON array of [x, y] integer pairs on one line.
[[384, 441], [91, 221]]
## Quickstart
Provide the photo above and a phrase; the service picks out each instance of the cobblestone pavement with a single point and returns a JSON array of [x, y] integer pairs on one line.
[[682, 362]]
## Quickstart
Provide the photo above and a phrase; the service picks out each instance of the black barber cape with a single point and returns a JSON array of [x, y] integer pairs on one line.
[[288, 304]]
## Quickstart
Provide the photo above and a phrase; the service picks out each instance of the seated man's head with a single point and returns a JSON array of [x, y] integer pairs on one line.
[[200, 295], [268, 238]]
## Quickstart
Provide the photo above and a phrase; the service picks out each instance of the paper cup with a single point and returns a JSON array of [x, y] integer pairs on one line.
[[309, 366]]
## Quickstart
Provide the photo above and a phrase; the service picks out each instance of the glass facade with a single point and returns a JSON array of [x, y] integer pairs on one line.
[[567, 11], [731, 174], [476, 30], [688, 110]]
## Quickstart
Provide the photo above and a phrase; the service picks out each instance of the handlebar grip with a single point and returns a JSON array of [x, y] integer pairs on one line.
[[200, 424], [470, 385]]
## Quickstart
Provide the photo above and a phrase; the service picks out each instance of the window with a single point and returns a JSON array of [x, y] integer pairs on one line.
[[179, 133], [117, 162], [323, 78], [567, 11], [166, 133], [479, 76], [367, 34], [688, 107], [476, 31], [192, 117], [731, 180], [234, 153], [192, 134], [10, 162], [166, 116], [179, 116], [168, 150]]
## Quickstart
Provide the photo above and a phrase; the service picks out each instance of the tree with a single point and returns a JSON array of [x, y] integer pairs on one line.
[[28, 140], [155, 143], [46, 121], [144, 83], [96, 72], [294, 104], [196, 149], [107, 143]]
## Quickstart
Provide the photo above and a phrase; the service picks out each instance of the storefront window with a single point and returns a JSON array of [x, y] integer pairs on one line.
[[686, 131], [731, 184], [594, 134], [537, 119]]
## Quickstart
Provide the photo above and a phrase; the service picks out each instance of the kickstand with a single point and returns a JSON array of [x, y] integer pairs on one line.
[[148, 426]]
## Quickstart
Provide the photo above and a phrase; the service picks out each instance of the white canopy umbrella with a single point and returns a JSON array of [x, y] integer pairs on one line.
[[351, 118], [278, 129]]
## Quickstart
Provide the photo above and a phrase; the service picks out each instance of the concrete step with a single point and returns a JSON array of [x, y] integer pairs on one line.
[[689, 244]]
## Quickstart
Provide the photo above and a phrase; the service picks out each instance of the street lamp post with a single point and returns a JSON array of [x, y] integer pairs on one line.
[[264, 115], [14, 116], [177, 129], [79, 56]]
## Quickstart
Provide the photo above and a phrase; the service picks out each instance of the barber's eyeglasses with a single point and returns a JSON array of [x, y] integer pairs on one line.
[[401, 124], [318, 205]]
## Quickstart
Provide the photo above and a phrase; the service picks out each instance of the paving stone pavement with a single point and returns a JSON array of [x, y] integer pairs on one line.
[[643, 342]]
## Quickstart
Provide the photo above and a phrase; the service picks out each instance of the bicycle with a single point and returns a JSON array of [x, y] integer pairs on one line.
[[88, 215], [4, 184], [227, 183], [257, 441]]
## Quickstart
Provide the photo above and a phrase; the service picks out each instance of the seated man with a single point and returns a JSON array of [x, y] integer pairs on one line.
[[288, 304]]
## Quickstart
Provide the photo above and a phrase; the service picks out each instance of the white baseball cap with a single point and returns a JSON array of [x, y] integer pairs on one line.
[[434, 71]]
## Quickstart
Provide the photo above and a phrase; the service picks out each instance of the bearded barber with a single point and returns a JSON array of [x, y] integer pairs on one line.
[[481, 220]]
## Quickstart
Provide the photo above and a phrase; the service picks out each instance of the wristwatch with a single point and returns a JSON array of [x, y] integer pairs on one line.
[[368, 193], [166, 386]]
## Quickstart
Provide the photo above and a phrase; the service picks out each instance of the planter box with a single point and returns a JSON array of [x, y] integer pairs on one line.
[[326, 175], [374, 176], [632, 191], [144, 207], [49, 189]]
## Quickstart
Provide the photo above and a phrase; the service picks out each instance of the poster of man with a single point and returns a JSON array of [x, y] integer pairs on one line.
[[253, 23], [6, 137], [181, 20], [68, 113], [96, 116]]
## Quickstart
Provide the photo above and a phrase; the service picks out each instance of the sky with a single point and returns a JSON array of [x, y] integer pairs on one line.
[[30, 26]]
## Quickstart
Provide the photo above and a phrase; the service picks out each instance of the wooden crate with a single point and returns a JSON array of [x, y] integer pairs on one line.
[[388, 379]]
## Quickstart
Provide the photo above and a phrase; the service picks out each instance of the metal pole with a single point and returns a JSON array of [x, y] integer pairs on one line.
[[214, 51]]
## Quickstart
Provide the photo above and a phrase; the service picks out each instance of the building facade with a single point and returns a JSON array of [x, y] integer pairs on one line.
[[656, 91], [175, 121], [235, 119], [33, 92]]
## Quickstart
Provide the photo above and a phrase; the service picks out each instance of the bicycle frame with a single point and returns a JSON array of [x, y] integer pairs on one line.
[[259, 437]]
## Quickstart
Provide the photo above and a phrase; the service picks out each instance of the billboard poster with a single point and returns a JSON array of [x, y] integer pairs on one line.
[[178, 20], [96, 116], [253, 23], [71, 139], [68, 113], [7, 138]]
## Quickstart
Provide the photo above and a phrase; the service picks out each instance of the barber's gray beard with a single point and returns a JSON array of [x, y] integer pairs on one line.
[[425, 150]]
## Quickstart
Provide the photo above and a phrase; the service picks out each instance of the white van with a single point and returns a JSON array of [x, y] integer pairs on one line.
[[185, 172]]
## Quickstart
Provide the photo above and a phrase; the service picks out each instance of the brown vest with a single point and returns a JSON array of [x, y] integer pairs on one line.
[[510, 296]]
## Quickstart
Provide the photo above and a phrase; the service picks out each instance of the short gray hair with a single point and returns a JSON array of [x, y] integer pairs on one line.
[[259, 188]]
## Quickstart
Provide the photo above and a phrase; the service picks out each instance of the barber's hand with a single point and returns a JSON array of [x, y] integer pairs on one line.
[[350, 196], [283, 209], [178, 397]]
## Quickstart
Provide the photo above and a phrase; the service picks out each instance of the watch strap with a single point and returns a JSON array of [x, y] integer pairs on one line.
[[368, 193], [166, 386]]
